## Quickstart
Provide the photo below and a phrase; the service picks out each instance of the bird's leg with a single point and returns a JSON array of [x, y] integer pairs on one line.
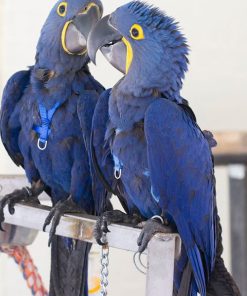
[[150, 228], [25, 194], [56, 213], [109, 217]]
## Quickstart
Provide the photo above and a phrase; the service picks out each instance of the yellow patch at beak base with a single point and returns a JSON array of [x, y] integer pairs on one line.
[[63, 40], [129, 56]]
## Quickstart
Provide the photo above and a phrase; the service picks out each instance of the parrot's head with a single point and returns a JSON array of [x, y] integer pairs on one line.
[[63, 42], [143, 43]]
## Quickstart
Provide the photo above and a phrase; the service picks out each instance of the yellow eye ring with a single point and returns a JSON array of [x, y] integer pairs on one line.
[[136, 32], [62, 9]]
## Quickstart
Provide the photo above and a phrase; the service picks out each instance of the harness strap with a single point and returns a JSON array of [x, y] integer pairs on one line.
[[99, 173], [98, 170], [45, 129]]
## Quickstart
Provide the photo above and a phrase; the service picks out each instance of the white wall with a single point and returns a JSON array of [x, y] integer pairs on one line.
[[215, 87]]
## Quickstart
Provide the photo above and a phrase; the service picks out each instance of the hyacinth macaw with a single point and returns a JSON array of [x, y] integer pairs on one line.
[[42, 132], [160, 158]]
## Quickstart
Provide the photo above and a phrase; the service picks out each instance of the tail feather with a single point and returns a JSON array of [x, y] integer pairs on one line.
[[185, 286], [69, 268], [197, 267], [221, 282]]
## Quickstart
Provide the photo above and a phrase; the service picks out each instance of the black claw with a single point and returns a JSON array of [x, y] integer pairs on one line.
[[144, 243], [45, 225], [54, 217], [2, 218], [150, 228], [140, 238], [55, 222], [115, 216], [11, 208], [47, 222], [104, 226], [11, 199], [50, 240], [50, 217], [1, 222], [100, 230]]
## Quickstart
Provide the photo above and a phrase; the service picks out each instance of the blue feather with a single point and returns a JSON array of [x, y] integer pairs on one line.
[[149, 128], [56, 79]]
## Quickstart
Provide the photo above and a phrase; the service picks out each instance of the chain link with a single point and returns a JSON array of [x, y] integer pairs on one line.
[[104, 270]]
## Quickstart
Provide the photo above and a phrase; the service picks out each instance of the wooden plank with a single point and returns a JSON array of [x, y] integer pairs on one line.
[[232, 148]]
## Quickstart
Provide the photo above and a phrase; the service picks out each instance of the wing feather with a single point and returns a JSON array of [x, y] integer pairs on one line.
[[182, 177], [9, 116]]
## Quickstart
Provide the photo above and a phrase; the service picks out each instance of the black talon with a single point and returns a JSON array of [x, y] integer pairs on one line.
[[150, 228], [11, 208], [99, 231], [1, 220], [25, 194], [56, 219], [105, 225], [109, 217], [56, 213], [50, 216]]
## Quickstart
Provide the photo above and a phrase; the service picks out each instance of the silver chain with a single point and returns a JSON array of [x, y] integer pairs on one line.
[[104, 270]]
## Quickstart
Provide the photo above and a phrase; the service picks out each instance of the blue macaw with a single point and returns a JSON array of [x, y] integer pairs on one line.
[[161, 159], [45, 126]]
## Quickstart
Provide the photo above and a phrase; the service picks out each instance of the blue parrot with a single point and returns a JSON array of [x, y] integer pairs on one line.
[[45, 123], [160, 158]]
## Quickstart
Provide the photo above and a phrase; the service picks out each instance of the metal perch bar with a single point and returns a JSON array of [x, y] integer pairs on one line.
[[162, 250], [78, 227]]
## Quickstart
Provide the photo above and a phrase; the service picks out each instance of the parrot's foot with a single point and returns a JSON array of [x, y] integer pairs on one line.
[[150, 228], [56, 213], [25, 194], [109, 217]]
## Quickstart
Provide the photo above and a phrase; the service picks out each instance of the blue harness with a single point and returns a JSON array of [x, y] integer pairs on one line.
[[45, 129]]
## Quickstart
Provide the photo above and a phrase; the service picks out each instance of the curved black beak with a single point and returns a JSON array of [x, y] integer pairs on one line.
[[85, 21], [108, 39], [76, 31]]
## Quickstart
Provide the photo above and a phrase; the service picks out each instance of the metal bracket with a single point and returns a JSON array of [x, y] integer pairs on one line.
[[162, 250]]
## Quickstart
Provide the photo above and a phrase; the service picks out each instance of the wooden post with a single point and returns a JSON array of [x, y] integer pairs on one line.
[[238, 209]]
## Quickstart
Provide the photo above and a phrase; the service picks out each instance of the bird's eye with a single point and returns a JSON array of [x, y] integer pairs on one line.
[[62, 9], [136, 32]]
